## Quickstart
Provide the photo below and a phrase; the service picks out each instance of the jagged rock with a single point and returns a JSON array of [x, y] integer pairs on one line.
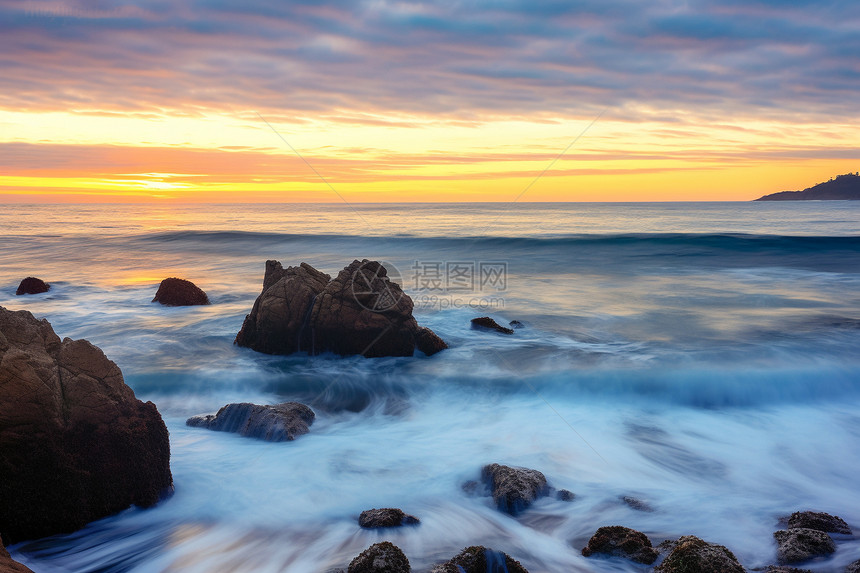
[[75, 443], [32, 285], [386, 517], [636, 504], [620, 541], [853, 568], [799, 544], [487, 323], [818, 520], [514, 489], [382, 557], [478, 559], [9, 565], [277, 423], [179, 292], [565, 495], [360, 311], [691, 554]]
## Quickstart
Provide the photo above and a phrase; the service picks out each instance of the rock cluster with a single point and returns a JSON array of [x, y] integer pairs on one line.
[[479, 559], [277, 423], [360, 311], [807, 536], [179, 292], [75, 443]]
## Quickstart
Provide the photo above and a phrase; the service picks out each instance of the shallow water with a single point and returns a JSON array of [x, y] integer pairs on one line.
[[698, 357]]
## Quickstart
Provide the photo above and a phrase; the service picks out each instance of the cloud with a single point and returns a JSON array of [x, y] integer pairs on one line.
[[450, 60]]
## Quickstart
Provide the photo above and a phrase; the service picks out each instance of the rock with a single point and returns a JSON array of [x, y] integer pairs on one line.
[[179, 292], [796, 545], [278, 423], [516, 324], [32, 285], [358, 312], [781, 569], [854, 567], [636, 504], [620, 541], [382, 557], [691, 554], [386, 517], [565, 495], [818, 520], [514, 489], [478, 559], [428, 342], [75, 443], [487, 323], [9, 565]]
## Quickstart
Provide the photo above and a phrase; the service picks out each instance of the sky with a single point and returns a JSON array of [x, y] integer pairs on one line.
[[376, 100]]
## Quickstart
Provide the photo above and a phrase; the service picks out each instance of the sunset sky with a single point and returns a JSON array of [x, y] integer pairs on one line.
[[409, 101]]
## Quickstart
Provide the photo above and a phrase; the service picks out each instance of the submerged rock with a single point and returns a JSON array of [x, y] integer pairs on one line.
[[277, 423], [620, 541], [782, 569], [32, 285], [9, 565], [565, 495], [75, 443], [479, 559], [180, 292], [854, 567], [516, 324], [799, 544], [818, 520], [637, 504], [514, 489], [382, 557], [361, 311], [487, 323], [386, 517], [691, 554]]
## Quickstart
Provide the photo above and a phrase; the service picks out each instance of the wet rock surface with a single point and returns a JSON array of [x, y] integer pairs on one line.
[[360, 311], [514, 489], [9, 565], [854, 567], [565, 495], [180, 292], [386, 517], [690, 554], [819, 521], [32, 285], [75, 443], [479, 559], [275, 423], [382, 557], [620, 541], [636, 504], [487, 323], [800, 544]]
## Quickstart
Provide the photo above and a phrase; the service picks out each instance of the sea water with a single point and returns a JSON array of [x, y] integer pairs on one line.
[[698, 357]]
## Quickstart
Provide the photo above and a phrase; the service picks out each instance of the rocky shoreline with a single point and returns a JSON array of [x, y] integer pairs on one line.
[[76, 444]]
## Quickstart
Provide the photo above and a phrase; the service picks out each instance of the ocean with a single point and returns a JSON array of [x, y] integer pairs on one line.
[[699, 357]]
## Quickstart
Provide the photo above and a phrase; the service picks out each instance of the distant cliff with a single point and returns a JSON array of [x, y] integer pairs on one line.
[[844, 187]]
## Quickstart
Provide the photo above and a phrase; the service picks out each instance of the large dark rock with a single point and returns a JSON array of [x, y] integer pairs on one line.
[[32, 285], [691, 554], [9, 565], [386, 517], [478, 559], [818, 520], [514, 489], [360, 311], [487, 323], [75, 443], [620, 541], [179, 292], [278, 423], [853, 568], [382, 557], [797, 545]]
